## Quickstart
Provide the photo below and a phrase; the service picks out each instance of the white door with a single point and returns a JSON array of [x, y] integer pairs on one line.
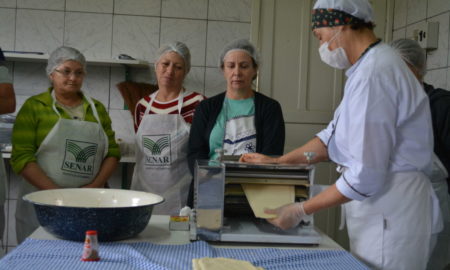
[[292, 73]]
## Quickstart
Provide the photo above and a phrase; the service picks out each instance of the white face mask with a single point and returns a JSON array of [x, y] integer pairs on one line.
[[335, 58]]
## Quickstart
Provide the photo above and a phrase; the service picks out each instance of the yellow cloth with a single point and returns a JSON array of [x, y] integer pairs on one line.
[[222, 264]]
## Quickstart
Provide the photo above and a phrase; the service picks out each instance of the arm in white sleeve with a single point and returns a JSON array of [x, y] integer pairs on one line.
[[367, 134]]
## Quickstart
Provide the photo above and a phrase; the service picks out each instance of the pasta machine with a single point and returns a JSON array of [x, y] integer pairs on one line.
[[223, 213]]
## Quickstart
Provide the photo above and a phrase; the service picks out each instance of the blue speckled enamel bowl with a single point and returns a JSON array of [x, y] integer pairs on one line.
[[115, 214]]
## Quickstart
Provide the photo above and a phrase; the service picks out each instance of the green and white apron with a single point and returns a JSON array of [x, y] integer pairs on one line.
[[71, 155]]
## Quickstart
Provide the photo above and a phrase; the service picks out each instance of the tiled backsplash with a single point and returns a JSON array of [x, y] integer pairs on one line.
[[104, 29], [407, 15]]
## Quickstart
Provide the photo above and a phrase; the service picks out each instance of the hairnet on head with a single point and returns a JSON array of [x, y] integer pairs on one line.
[[411, 52], [180, 48], [63, 54], [240, 45], [359, 9]]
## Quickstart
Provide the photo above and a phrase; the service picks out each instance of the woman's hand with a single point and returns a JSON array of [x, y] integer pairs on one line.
[[288, 216], [109, 164], [256, 158]]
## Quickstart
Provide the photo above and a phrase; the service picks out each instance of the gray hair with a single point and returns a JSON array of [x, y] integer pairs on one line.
[[63, 54], [241, 45], [180, 48], [411, 52]]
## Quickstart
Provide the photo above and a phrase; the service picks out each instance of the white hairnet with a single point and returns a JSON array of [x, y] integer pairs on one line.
[[180, 48], [63, 54], [242, 45], [360, 9], [411, 52]]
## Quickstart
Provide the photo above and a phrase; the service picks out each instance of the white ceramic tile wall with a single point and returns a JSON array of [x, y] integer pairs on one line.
[[193, 9], [122, 124], [215, 82], [437, 78], [137, 36], [231, 10], [30, 78], [400, 33], [39, 30], [105, 28], [437, 6], [8, 3], [195, 80], [191, 32], [220, 33], [400, 13], [101, 6], [42, 4], [138, 7], [115, 98], [439, 58], [409, 33], [91, 33], [419, 12], [7, 33], [96, 84], [416, 11]]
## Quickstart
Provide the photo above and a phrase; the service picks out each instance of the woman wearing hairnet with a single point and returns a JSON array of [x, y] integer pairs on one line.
[[415, 57], [390, 207], [239, 120], [162, 123], [61, 138]]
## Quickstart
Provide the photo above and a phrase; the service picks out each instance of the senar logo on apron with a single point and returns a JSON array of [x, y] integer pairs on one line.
[[157, 150], [79, 157]]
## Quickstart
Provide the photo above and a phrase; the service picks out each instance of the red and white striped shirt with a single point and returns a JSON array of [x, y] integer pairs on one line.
[[190, 101]]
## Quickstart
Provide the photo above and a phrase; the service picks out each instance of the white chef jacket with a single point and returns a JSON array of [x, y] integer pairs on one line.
[[382, 125]]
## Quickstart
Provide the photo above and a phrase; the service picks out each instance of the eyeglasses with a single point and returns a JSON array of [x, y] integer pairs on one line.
[[67, 73]]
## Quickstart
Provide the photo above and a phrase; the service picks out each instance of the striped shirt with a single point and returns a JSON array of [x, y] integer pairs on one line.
[[190, 101]]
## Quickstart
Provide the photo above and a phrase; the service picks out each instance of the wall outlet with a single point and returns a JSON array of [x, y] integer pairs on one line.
[[427, 35]]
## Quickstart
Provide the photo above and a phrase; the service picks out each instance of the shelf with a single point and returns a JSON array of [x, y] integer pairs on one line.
[[41, 58]]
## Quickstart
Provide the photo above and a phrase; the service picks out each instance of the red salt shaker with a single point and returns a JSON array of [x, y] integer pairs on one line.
[[90, 250]]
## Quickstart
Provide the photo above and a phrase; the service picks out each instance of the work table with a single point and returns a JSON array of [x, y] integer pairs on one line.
[[159, 248], [157, 232]]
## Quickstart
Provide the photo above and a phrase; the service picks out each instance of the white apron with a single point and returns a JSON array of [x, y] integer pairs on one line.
[[161, 158], [240, 134], [440, 255], [392, 230], [71, 155]]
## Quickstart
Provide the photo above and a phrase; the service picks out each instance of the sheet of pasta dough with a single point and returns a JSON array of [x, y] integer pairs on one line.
[[222, 264], [268, 196]]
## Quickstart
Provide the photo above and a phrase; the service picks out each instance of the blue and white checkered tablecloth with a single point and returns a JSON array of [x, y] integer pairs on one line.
[[58, 254]]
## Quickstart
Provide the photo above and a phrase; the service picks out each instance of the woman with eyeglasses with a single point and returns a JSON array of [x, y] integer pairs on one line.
[[61, 138]]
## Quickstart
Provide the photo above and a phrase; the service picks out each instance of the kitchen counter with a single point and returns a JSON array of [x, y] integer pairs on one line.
[[159, 248]]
